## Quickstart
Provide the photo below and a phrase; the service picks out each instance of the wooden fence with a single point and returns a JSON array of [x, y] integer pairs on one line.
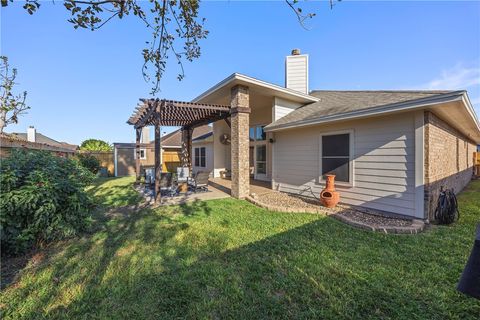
[[171, 160], [105, 158]]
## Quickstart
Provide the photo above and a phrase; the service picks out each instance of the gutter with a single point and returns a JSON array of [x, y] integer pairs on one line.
[[395, 107]]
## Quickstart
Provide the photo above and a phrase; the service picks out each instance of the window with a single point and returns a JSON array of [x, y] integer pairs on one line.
[[200, 157], [257, 133], [336, 156], [261, 159], [143, 154]]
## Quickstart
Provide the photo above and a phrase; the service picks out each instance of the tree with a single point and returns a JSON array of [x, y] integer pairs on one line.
[[169, 21], [95, 145], [12, 105]]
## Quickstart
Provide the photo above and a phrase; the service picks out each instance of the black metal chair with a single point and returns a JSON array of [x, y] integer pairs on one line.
[[168, 184], [200, 181]]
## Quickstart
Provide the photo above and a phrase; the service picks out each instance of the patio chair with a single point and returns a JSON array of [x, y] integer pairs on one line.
[[183, 173], [200, 181], [167, 184], [149, 175]]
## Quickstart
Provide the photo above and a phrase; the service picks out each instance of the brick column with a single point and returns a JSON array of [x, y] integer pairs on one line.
[[240, 113]]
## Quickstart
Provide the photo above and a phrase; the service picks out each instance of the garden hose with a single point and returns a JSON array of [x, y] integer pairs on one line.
[[447, 207]]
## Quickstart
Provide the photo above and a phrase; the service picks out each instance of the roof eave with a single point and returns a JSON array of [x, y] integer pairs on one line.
[[306, 98], [391, 108]]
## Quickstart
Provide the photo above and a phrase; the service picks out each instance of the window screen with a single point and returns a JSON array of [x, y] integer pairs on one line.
[[200, 156], [336, 156]]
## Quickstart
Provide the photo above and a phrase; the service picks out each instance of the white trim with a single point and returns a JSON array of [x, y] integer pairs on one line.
[[252, 81], [369, 112], [351, 159], [254, 144], [115, 160], [260, 176], [419, 164], [272, 135], [144, 153]]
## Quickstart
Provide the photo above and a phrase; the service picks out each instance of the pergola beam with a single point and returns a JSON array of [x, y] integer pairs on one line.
[[187, 115]]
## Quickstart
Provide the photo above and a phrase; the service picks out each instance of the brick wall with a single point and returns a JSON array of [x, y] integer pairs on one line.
[[448, 160]]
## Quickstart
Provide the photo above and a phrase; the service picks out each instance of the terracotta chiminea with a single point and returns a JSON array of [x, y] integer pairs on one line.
[[329, 197]]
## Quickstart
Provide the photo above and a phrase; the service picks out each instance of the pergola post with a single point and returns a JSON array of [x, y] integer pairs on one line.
[[138, 132], [186, 155], [240, 114], [158, 165]]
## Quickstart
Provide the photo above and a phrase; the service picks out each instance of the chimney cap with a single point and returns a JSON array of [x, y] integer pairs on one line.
[[295, 52]]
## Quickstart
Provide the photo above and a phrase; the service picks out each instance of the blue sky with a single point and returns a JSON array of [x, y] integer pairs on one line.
[[84, 84]]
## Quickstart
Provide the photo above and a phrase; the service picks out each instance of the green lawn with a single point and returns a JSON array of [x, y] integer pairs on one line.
[[229, 259]]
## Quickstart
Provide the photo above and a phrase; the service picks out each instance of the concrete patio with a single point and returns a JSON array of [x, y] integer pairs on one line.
[[218, 188]]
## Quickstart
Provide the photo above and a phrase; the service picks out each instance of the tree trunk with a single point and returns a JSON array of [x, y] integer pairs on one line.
[[3, 119]]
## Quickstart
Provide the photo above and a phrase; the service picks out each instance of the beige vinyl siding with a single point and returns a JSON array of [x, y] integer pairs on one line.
[[297, 73], [383, 168], [282, 107]]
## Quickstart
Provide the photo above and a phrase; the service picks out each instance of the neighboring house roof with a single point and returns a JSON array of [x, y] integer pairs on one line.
[[203, 137], [11, 140], [171, 140], [131, 145], [174, 139], [343, 105], [41, 138]]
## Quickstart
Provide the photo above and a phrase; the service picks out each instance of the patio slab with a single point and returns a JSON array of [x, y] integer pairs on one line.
[[218, 189]]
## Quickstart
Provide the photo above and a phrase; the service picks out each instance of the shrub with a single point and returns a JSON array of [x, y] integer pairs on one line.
[[95, 145], [89, 162], [42, 198]]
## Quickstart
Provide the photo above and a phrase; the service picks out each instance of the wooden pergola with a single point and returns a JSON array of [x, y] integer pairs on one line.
[[187, 115]]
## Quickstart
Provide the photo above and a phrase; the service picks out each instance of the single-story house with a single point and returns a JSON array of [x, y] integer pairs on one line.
[[202, 157], [35, 141], [33, 136], [391, 150]]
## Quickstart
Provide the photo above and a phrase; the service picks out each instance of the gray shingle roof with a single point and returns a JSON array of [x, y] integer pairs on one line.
[[204, 136], [173, 139], [338, 102], [41, 138]]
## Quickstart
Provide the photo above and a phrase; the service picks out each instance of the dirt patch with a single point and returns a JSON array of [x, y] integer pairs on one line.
[[11, 266]]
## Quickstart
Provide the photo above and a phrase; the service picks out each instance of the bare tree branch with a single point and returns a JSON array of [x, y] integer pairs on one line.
[[156, 15]]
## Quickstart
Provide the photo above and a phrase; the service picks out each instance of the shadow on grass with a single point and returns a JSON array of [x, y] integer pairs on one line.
[[161, 264], [115, 192]]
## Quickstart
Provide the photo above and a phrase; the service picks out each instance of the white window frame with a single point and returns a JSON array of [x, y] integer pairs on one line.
[[199, 157], [144, 154], [255, 133], [351, 160]]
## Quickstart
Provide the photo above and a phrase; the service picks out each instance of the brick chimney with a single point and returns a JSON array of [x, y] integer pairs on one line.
[[296, 71], [31, 134]]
